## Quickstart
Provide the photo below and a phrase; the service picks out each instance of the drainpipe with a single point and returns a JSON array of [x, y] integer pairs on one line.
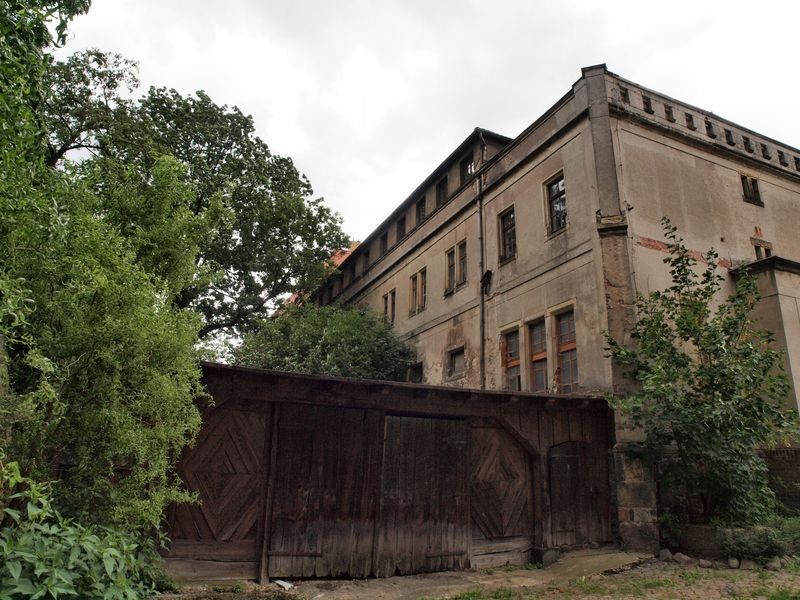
[[481, 269]]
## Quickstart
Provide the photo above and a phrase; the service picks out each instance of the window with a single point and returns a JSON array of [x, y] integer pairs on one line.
[[648, 104], [384, 243], [388, 306], [456, 363], [466, 168], [420, 210], [461, 275], [538, 356], [417, 292], [557, 204], [763, 249], [567, 378], [415, 373], [748, 143], [441, 191], [511, 360], [508, 235], [450, 271], [690, 121], [365, 261], [401, 228], [750, 192], [669, 114], [455, 267]]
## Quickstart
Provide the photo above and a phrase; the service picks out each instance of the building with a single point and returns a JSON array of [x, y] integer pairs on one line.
[[506, 265]]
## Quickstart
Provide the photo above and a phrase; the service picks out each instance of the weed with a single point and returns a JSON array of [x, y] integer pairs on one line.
[[588, 586]]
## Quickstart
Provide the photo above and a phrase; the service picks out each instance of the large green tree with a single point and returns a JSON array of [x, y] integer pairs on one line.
[[712, 388], [270, 237], [98, 374], [346, 342]]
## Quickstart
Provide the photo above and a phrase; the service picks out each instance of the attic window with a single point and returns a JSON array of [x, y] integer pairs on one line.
[[466, 168], [648, 104], [441, 191], [690, 122], [669, 113], [384, 243], [729, 137]]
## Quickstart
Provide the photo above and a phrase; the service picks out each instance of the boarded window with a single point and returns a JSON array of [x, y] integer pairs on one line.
[[508, 235], [567, 352], [511, 360], [538, 337], [557, 204]]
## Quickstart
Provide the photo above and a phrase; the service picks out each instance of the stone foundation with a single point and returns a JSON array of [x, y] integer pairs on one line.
[[637, 512]]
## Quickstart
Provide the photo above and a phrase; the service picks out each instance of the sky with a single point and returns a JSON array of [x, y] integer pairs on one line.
[[369, 96]]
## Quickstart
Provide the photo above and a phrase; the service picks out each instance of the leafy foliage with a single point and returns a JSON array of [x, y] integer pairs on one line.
[[44, 555], [711, 387], [267, 235], [779, 537], [346, 342]]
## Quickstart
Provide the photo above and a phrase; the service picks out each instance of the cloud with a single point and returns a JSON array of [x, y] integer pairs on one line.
[[368, 97]]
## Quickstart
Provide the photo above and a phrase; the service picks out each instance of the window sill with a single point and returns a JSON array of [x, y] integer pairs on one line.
[[554, 234], [505, 261], [452, 291], [753, 202]]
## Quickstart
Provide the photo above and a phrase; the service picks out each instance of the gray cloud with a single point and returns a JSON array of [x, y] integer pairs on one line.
[[369, 96]]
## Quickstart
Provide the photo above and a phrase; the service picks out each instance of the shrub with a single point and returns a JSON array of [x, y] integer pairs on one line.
[[44, 555]]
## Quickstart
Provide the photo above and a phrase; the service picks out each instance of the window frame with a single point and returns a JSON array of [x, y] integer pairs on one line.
[[420, 210], [511, 363], [400, 228], [538, 353], [442, 191], [466, 168], [549, 202], [505, 255], [566, 350], [750, 190], [451, 373], [461, 258], [418, 292], [450, 270]]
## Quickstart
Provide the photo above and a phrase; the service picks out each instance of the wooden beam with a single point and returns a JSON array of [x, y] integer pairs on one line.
[[269, 493]]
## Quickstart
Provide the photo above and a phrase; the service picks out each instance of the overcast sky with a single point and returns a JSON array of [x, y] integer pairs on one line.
[[369, 96]]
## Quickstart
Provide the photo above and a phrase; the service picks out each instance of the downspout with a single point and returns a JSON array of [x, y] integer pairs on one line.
[[481, 269]]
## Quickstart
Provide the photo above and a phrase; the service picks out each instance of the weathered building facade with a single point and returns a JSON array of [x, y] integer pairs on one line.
[[504, 267], [508, 263]]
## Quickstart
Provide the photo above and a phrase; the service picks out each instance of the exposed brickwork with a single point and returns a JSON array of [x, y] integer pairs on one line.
[[646, 242], [784, 474]]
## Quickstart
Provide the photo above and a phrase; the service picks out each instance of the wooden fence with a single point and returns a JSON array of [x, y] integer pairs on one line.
[[321, 477]]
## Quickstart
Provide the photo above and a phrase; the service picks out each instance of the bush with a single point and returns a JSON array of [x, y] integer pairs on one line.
[[44, 555], [780, 537]]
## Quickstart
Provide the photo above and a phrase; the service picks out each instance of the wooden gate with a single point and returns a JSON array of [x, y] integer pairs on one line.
[[501, 498], [318, 477], [227, 469]]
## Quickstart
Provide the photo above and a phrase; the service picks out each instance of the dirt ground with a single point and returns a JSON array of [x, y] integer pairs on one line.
[[595, 575]]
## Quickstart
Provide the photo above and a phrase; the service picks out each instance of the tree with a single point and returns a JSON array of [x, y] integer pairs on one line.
[[98, 373], [712, 387], [329, 340], [270, 236]]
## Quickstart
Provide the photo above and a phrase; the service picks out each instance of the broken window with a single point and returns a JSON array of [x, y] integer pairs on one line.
[[538, 338], [441, 191], [557, 204], [466, 168], [750, 192], [420, 210], [508, 235], [456, 363], [511, 360], [567, 353]]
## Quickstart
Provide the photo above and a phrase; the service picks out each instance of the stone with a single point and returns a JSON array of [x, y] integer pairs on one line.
[[665, 555], [748, 565], [681, 558], [733, 563], [718, 564], [550, 557], [704, 564], [773, 564]]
